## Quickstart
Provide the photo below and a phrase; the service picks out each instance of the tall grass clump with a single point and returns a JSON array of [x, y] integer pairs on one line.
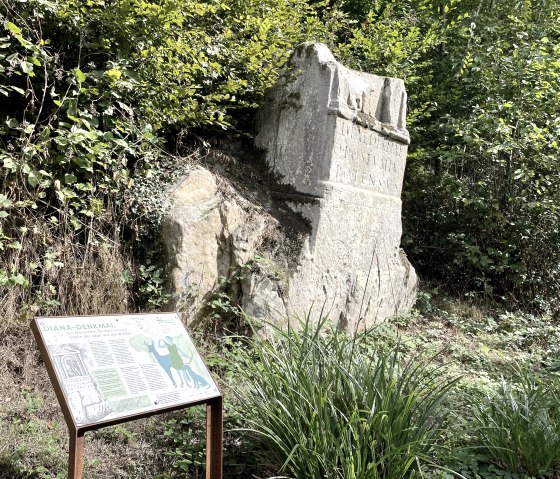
[[325, 405], [517, 427]]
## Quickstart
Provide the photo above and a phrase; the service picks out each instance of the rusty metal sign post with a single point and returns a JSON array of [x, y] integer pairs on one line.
[[106, 370]]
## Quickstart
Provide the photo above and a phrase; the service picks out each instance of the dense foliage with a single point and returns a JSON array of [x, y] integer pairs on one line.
[[485, 180], [516, 427], [398, 400], [96, 92], [481, 194], [326, 405]]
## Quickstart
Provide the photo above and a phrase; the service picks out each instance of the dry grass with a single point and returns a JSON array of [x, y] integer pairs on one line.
[[68, 273], [32, 430]]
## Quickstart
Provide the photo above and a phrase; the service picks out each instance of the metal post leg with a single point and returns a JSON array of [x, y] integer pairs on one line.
[[76, 458], [214, 438]]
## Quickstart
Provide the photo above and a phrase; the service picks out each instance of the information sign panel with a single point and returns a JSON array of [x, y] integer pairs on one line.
[[111, 369], [114, 366]]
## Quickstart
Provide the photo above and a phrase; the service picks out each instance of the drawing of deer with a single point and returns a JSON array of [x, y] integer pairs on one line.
[[164, 361]]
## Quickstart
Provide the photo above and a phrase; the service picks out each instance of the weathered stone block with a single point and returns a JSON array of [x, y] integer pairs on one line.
[[198, 232], [327, 238], [338, 139]]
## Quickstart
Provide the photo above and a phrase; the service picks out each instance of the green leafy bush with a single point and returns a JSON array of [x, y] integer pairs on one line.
[[482, 198], [325, 405], [481, 195], [185, 64]]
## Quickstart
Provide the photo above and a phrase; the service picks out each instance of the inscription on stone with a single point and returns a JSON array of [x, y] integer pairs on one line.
[[366, 159]]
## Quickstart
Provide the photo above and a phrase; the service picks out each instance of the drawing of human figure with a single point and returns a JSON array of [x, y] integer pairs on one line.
[[176, 356]]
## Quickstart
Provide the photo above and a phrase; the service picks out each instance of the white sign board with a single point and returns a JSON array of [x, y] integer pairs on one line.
[[111, 367]]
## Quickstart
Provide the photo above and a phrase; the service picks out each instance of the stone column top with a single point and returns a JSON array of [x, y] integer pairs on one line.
[[377, 103]]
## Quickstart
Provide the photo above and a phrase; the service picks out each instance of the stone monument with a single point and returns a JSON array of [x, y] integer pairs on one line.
[[337, 140]]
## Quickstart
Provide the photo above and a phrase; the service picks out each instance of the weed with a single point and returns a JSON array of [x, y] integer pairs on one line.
[[326, 405], [186, 433], [67, 271], [518, 428], [469, 465], [152, 284]]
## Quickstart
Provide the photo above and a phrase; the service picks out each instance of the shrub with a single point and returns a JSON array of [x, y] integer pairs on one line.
[[481, 203], [326, 405], [481, 208], [64, 271]]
